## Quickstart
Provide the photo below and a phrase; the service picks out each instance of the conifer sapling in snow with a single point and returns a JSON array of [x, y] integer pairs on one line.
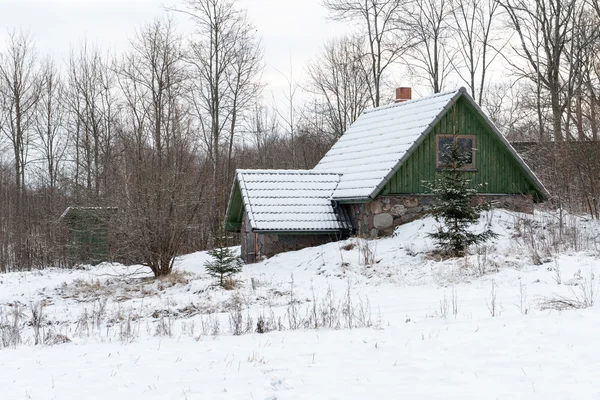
[[225, 262], [453, 205]]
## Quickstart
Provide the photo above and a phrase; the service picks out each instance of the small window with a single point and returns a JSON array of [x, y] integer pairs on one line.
[[466, 148]]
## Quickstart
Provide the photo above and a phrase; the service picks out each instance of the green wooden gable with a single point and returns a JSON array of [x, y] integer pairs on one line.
[[496, 169], [235, 209]]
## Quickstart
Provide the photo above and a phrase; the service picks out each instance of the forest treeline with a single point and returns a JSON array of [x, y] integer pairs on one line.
[[158, 130]]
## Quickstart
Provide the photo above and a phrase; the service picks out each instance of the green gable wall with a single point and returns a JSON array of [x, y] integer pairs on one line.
[[494, 163], [233, 219]]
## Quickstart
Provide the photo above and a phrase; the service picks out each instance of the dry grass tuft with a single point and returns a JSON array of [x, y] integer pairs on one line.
[[349, 246], [231, 284]]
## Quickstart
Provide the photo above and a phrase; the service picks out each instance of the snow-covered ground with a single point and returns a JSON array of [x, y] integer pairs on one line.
[[381, 319]]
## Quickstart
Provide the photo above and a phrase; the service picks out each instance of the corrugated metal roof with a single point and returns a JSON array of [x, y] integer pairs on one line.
[[290, 200], [377, 141]]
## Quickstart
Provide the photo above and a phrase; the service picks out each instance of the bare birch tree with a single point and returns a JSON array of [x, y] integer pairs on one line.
[[387, 33]]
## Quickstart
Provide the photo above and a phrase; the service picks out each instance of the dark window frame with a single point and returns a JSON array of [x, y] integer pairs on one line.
[[470, 166]]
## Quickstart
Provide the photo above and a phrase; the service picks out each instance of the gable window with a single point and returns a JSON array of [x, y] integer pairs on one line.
[[466, 149]]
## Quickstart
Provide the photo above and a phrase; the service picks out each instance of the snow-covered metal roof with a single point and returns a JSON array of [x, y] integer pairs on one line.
[[355, 169], [381, 139], [290, 200], [377, 141]]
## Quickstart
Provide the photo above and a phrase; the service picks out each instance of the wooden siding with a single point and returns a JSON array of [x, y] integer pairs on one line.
[[495, 167], [233, 219]]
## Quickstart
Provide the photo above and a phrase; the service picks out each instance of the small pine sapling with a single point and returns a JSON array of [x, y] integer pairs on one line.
[[454, 207], [224, 264]]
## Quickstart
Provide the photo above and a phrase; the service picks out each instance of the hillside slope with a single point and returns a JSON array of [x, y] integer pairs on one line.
[[349, 320]]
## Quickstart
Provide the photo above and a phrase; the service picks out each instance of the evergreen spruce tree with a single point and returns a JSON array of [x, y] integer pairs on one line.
[[224, 264], [454, 206]]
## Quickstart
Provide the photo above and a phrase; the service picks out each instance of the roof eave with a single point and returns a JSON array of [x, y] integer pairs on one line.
[[300, 231]]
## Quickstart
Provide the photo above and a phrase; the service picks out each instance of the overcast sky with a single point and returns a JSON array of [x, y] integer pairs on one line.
[[291, 30]]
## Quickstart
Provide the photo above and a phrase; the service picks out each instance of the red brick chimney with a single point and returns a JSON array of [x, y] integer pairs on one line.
[[403, 94]]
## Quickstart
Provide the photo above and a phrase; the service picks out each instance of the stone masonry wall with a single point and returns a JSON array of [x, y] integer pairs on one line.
[[381, 216]]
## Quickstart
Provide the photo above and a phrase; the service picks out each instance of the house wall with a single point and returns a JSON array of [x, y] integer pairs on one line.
[[256, 246], [381, 216], [496, 170]]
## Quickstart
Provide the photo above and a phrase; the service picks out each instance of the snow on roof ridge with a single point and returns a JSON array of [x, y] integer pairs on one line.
[[413, 101], [286, 171]]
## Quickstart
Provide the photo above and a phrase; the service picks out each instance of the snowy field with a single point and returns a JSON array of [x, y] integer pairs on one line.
[[381, 319]]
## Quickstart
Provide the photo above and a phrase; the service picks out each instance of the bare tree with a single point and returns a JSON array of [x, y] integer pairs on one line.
[[289, 114], [91, 100], [49, 125], [543, 29], [226, 62], [160, 187], [19, 88], [388, 35], [243, 83], [477, 41], [339, 79], [19, 94], [433, 56], [580, 57]]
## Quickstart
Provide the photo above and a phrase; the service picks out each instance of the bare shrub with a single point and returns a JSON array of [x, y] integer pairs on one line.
[[328, 310], [362, 314], [36, 321], [267, 322], [292, 311], [444, 307], [52, 339], [10, 326], [238, 324], [348, 308], [230, 284], [164, 327], [210, 324], [483, 262], [492, 304], [367, 250], [523, 307], [188, 328], [547, 234], [557, 273], [583, 295], [82, 327], [455, 303], [91, 321]]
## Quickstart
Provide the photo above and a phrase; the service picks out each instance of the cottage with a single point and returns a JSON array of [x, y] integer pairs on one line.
[[374, 177]]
